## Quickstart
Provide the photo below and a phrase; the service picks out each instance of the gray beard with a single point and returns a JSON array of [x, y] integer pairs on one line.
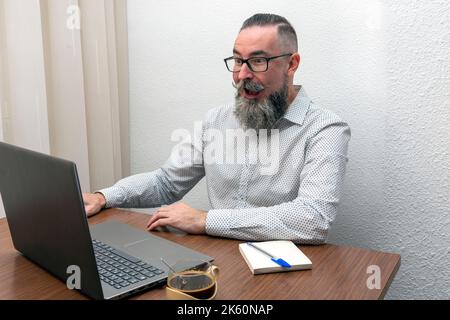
[[264, 114]]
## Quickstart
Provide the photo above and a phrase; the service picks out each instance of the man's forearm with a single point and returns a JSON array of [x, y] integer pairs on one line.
[[137, 191], [300, 221]]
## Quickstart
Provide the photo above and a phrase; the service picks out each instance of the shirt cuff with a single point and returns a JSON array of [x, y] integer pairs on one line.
[[218, 222], [113, 196]]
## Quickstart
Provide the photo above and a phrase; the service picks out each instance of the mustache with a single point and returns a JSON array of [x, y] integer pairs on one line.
[[249, 85]]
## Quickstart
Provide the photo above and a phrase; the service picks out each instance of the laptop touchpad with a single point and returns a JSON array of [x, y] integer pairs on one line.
[[153, 250]]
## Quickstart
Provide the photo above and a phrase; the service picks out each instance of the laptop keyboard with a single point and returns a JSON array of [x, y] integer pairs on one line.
[[119, 269]]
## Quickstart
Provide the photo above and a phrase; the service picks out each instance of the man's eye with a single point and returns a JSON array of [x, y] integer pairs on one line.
[[238, 61], [258, 61]]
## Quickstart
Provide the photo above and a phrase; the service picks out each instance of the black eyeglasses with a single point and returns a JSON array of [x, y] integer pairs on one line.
[[255, 64]]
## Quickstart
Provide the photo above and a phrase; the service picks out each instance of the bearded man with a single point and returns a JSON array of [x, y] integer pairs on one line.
[[298, 201]]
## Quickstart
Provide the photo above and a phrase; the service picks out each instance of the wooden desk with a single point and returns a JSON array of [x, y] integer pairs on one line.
[[339, 272]]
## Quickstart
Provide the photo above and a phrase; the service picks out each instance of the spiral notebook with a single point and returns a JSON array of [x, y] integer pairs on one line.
[[260, 263]]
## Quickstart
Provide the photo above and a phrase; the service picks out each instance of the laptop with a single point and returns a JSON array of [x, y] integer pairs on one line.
[[48, 224]]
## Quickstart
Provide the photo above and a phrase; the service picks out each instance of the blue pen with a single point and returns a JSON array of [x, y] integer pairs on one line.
[[278, 261]]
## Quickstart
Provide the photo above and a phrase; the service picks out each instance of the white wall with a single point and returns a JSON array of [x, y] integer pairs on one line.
[[381, 65]]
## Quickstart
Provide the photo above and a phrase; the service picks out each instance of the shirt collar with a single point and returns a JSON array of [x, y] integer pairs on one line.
[[299, 107]]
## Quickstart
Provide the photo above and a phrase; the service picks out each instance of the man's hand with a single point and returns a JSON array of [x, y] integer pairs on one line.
[[93, 203], [179, 216]]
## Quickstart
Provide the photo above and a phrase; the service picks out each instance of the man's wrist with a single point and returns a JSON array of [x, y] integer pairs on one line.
[[204, 216], [102, 200]]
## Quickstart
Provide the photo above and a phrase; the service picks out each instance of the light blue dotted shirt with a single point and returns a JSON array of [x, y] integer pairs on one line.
[[297, 201]]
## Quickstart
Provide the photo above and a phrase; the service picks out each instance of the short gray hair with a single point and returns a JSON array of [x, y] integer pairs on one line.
[[286, 31]]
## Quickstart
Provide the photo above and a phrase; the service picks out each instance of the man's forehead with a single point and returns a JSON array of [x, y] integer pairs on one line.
[[256, 40]]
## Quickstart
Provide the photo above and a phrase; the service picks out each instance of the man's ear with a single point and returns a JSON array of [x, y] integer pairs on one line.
[[294, 63]]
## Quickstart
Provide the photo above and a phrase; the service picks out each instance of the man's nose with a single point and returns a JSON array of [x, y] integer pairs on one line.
[[245, 72]]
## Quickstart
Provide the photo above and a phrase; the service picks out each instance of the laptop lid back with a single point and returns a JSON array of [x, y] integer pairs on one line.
[[45, 213]]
